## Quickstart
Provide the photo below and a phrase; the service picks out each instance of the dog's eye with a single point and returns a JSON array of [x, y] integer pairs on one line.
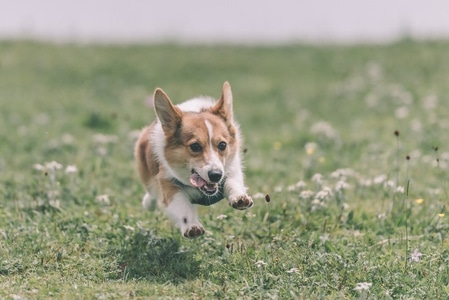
[[195, 147], [222, 146]]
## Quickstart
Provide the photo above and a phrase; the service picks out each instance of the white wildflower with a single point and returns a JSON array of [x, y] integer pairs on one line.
[[260, 263], [127, 227], [324, 194], [53, 165], [389, 184], [293, 270], [310, 148], [366, 182], [414, 257], [103, 199], [221, 217], [430, 102], [341, 185], [250, 215], [401, 112], [380, 179], [400, 189], [102, 151], [258, 196], [324, 129], [39, 167], [363, 286], [71, 169], [317, 204], [300, 184], [306, 194], [68, 139], [317, 178], [104, 138], [278, 189], [324, 238], [291, 188], [381, 216], [342, 173]]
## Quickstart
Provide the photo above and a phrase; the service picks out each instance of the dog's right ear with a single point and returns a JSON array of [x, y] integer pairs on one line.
[[168, 114]]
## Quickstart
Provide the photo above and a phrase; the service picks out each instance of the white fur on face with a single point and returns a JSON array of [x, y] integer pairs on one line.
[[214, 162]]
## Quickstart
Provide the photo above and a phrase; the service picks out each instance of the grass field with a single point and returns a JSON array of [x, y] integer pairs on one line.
[[350, 143]]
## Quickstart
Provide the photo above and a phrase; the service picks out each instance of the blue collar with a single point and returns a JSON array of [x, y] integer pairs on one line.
[[203, 200]]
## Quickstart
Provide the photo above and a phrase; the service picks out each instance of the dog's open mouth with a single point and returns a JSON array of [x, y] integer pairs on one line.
[[208, 188]]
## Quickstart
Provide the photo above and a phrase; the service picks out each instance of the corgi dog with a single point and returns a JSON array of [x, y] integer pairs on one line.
[[191, 156]]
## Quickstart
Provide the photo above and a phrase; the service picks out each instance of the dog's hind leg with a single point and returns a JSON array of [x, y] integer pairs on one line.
[[149, 202]]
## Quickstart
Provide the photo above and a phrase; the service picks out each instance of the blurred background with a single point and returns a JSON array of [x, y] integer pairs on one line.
[[232, 21]]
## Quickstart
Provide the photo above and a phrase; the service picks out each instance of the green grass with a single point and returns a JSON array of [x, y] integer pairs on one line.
[[303, 110]]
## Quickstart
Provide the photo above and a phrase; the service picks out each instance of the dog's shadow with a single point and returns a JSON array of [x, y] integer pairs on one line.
[[149, 257]]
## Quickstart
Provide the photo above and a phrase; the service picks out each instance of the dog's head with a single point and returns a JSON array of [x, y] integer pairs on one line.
[[198, 144]]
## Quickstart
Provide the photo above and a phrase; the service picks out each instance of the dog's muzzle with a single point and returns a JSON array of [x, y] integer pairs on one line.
[[208, 188]]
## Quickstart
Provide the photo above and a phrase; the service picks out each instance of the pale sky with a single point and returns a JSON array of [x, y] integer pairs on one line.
[[248, 21]]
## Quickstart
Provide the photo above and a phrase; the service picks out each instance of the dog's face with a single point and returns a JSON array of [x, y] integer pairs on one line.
[[198, 145]]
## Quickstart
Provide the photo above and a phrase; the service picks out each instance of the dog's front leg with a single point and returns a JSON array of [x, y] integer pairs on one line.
[[184, 215], [236, 193]]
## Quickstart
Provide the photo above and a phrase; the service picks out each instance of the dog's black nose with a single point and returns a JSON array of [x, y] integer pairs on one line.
[[215, 175]]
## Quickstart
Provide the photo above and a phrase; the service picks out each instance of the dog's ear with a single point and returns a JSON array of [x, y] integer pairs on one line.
[[168, 114], [223, 107]]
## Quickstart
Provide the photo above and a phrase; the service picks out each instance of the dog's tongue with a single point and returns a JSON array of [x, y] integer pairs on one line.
[[197, 181]]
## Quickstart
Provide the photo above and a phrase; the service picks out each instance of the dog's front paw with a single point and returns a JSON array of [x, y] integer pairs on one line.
[[193, 231], [241, 202]]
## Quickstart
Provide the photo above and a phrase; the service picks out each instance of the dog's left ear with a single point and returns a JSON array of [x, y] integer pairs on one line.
[[223, 108]]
